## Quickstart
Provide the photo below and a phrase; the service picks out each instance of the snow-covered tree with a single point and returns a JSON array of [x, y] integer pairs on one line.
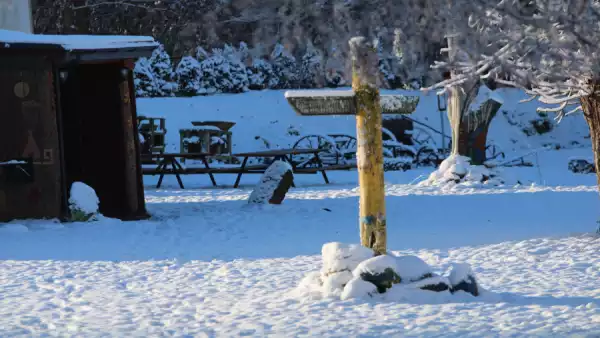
[[388, 78], [261, 75], [237, 69], [188, 74], [310, 72], [285, 67], [143, 78], [222, 72], [335, 69], [162, 70]]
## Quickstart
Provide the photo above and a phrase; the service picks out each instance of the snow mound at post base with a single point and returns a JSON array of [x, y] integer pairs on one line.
[[350, 271], [83, 202], [457, 169]]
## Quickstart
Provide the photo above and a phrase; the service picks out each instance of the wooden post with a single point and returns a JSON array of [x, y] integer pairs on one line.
[[365, 102], [369, 153]]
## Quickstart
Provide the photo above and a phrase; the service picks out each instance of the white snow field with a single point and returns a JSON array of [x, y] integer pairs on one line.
[[207, 264]]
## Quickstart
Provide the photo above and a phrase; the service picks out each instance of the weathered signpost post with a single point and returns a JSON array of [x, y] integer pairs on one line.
[[365, 102]]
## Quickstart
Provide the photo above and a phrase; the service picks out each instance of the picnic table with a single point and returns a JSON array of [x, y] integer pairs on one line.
[[280, 154], [166, 159]]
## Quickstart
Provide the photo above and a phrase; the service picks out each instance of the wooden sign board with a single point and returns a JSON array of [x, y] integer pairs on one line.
[[342, 102]]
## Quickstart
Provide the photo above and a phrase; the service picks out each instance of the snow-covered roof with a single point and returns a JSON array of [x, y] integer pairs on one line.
[[77, 42]]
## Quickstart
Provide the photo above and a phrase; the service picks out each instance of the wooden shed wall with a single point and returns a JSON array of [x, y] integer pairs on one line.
[[28, 129]]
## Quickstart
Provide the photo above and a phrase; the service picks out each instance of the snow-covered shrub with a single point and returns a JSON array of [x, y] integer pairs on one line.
[[457, 169], [310, 71], [285, 67], [188, 74], [261, 75], [237, 70], [273, 185], [223, 72], [83, 202], [144, 79], [162, 70]]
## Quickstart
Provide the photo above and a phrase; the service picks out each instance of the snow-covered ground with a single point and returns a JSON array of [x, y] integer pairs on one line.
[[207, 264]]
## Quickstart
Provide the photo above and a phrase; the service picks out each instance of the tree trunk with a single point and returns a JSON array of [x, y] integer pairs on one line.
[[369, 154], [474, 126], [591, 111], [469, 127]]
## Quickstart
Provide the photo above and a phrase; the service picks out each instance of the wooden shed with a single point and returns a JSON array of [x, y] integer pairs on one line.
[[67, 114]]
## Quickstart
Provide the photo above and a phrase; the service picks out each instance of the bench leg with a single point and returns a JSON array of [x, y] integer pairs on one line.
[[320, 164], [176, 166], [161, 168], [239, 177], [212, 178], [325, 176]]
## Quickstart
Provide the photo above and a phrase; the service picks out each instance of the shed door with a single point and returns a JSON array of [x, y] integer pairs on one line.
[[29, 167]]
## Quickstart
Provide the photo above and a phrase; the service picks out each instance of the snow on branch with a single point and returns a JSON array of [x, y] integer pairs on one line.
[[551, 49]]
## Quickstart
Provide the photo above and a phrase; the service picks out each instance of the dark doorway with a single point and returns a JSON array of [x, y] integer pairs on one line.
[[93, 136]]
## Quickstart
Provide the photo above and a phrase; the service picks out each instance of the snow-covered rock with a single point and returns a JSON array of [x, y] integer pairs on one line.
[[379, 270], [343, 257], [334, 283], [412, 268], [83, 202], [358, 288], [273, 185], [462, 278], [435, 283]]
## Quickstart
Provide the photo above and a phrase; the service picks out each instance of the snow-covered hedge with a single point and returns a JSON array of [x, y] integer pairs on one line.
[[236, 70], [352, 271]]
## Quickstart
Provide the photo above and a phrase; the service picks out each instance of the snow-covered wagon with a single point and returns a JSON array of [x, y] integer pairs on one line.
[[67, 114]]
